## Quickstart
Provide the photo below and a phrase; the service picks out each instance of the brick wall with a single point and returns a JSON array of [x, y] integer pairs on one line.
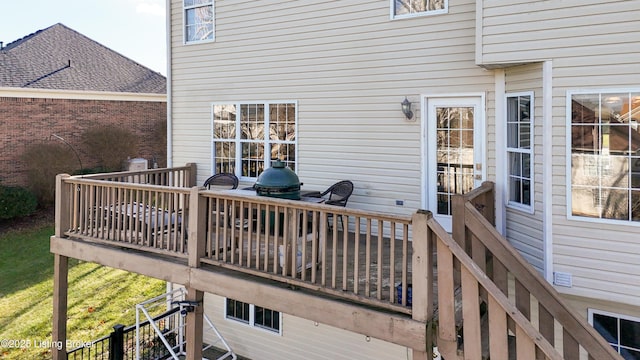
[[25, 121]]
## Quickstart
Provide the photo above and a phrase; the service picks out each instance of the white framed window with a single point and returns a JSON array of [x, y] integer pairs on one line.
[[199, 23], [411, 8], [621, 332], [519, 121], [252, 315], [247, 136], [603, 170]]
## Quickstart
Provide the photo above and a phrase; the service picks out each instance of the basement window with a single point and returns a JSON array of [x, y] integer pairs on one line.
[[621, 332], [254, 316]]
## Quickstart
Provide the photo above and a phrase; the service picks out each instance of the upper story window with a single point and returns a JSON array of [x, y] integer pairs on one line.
[[604, 168], [253, 315], [409, 8], [621, 332], [519, 118], [198, 20], [247, 136]]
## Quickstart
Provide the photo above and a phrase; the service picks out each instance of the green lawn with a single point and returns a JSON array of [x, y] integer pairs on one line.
[[99, 297]]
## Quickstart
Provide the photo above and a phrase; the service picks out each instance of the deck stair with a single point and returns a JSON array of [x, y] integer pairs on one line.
[[502, 308], [173, 338]]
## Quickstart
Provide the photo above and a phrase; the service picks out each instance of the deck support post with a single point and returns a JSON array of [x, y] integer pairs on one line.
[[196, 248], [194, 325], [60, 272], [458, 227], [60, 290], [422, 278], [191, 180], [197, 238]]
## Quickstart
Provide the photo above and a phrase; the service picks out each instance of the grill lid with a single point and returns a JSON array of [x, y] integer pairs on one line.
[[277, 178]]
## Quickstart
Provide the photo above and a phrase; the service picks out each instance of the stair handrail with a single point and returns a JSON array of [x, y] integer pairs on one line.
[[498, 303], [479, 235]]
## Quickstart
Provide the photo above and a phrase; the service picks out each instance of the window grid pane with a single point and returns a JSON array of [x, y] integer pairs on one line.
[[198, 20], [266, 318], [621, 333], [405, 7], [238, 310], [224, 133], [519, 149], [605, 145], [261, 132]]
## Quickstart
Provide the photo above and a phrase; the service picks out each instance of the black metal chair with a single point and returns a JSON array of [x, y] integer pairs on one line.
[[338, 194], [222, 181]]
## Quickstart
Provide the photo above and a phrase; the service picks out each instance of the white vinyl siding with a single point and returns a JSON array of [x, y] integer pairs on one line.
[[300, 339], [348, 71], [587, 52], [524, 228], [524, 31]]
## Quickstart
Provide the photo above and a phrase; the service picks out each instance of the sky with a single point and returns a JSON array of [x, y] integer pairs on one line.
[[133, 28]]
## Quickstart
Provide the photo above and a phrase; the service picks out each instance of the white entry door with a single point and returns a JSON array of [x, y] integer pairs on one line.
[[455, 152]]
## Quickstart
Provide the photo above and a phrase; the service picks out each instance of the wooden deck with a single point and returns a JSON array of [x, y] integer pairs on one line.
[[476, 287]]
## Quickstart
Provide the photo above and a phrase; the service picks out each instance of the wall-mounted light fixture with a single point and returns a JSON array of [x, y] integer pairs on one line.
[[406, 108]]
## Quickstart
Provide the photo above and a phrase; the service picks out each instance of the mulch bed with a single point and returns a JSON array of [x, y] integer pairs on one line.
[[41, 217]]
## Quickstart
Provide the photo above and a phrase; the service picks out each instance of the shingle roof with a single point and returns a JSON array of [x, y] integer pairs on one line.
[[61, 58]]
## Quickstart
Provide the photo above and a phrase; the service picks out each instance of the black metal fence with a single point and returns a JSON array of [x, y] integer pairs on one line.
[[121, 343]]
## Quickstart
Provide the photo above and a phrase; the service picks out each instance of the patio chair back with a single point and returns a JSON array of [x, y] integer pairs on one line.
[[338, 193], [222, 181]]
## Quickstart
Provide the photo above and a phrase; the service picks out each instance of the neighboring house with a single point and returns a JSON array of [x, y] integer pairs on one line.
[[541, 97], [57, 81], [538, 97]]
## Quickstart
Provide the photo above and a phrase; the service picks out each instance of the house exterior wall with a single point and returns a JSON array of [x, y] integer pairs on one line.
[[299, 339], [524, 229], [348, 67], [588, 51], [29, 117], [514, 31]]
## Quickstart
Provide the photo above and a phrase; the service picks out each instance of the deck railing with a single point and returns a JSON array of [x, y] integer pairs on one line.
[[362, 256], [183, 176], [512, 295], [353, 254], [139, 216], [480, 294]]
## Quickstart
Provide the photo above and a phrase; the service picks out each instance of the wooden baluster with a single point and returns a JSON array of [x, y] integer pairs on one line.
[[471, 316], [447, 335], [380, 261], [525, 348], [356, 255], [498, 334]]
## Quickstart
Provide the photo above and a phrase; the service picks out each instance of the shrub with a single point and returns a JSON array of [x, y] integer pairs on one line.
[[159, 143], [45, 161], [16, 202], [110, 145]]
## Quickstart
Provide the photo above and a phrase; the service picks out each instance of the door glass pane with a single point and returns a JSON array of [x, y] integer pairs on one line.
[[455, 154]]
